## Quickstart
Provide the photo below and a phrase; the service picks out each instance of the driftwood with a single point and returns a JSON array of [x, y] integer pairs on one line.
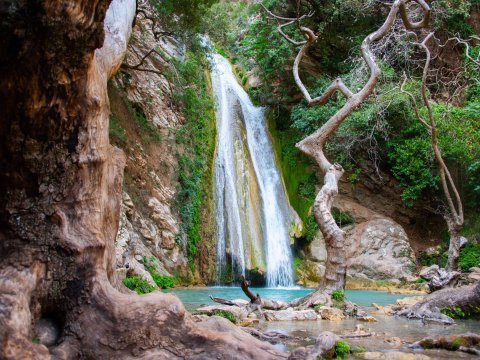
[[256, 302]]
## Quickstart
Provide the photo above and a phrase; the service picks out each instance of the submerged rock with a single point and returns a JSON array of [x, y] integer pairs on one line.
[[332, 314], [367, 318]]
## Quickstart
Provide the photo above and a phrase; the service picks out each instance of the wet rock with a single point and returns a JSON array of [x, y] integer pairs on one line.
[[238, 313], [408, 301], [367, 318], [248, 322], [392, 356], [290, 315], [332, 314]]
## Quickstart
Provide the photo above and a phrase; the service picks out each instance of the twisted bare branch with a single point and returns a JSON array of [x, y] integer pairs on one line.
[[313, 145]]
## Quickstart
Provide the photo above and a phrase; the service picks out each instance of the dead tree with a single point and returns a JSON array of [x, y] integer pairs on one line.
[[313, 145], [454, 216]]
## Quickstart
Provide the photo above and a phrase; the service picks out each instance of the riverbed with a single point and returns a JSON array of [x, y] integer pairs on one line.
[[389, 333]]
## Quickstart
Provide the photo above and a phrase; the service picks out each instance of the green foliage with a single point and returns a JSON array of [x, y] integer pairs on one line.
[[182, 17], [451, 16], [197, 138], [35, 340], [137, 284], [342, 349], [297, 262], [342, 218], [411, 156], [225, 314], [420, 281], [468, 312], [163, 282], [116, 131], [436, 258], [469, 256], [298, 175], [338, 295], [311, 228]]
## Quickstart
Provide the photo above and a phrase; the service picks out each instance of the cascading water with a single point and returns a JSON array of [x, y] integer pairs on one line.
[[252, 210]]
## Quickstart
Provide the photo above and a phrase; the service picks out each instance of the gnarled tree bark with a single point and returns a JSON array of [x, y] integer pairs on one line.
[[61, 186], [313, 145]]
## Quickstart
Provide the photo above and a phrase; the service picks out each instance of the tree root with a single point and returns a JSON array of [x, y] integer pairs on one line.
[[429, 308]]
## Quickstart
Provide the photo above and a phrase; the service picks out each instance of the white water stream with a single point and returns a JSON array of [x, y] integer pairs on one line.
[[252, 211]]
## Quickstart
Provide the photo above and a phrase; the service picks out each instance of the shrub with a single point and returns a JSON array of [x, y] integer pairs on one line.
[[162, 281], [469, 256], [342, 218], [467, 312], [338, 295], [342, 349], [137, 284]]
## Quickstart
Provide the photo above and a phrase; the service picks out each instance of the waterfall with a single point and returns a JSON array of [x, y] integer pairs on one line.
[[252, 210]]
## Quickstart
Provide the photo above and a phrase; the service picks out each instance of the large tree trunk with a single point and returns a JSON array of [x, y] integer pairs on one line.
[[454, 247], [61, 185]]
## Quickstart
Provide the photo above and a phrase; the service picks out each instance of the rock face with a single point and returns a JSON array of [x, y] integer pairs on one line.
[[149, 222]]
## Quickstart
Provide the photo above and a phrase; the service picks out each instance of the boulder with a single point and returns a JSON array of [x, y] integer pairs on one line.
[[325, 344], [333, 314], [290, 315], [383, 251]]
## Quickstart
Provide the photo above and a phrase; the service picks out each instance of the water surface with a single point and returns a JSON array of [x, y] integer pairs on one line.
[[196, 297]]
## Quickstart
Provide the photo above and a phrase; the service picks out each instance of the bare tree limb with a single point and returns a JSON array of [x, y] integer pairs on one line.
[[313, 145]]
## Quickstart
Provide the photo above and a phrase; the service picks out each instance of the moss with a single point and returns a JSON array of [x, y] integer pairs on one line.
[[225, 314], [297, 170], [116, 132], [197, 137]]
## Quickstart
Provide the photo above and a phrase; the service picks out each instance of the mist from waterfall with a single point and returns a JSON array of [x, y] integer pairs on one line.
[[252, 211]]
